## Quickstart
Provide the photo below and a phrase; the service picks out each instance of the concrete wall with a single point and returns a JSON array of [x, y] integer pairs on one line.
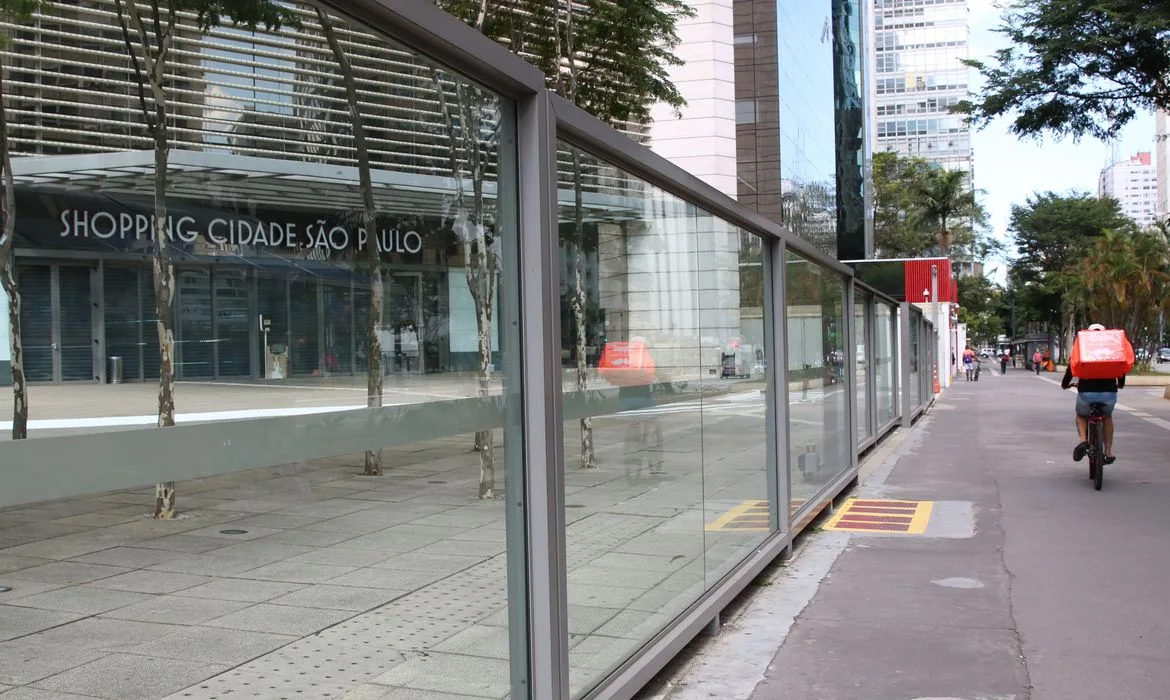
[[703, 140], [5, 355]]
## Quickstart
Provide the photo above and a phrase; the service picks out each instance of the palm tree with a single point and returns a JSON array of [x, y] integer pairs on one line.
[[944, 199]]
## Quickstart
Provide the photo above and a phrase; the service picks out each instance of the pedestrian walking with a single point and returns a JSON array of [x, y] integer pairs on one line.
[[1003, 362], [1037, 360]]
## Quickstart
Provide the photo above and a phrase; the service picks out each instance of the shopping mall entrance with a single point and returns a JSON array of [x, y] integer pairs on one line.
[[58, 321]]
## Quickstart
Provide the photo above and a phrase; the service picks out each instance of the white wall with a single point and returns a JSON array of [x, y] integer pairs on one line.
[[5, 355], [702, 142]]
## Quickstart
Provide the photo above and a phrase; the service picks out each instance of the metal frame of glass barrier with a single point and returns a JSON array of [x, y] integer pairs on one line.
[[536, 513], [874, 298]]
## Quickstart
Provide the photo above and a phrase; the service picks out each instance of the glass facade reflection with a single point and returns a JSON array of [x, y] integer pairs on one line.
[[919, 77], [666, 450], [865, 362], [305, 272], [818, 401], [282, 241], [886, 362], [808, 150]]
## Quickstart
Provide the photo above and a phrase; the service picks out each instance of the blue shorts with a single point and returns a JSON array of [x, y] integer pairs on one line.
[[1108, 399]]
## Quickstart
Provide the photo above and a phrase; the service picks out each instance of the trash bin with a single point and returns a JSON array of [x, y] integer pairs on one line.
[[114, 370]]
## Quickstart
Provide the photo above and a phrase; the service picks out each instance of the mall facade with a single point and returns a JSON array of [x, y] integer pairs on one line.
[[507, 221]]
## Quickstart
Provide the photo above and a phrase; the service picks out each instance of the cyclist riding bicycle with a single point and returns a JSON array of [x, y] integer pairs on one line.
[[1089, 392]]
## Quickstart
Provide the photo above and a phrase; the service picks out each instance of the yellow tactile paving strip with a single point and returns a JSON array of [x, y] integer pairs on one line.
[[871, 515], [749, 516]]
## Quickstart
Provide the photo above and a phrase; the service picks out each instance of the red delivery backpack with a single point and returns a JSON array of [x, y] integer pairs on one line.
[[1101, 355], [626, 363]]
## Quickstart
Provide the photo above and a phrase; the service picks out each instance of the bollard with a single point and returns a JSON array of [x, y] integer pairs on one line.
[[808, 462]]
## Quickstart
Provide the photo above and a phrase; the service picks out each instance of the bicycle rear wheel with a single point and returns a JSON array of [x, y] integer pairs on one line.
[[1098, 460]]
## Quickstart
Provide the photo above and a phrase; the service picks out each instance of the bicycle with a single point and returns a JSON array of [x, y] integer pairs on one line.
[[1096, 440]]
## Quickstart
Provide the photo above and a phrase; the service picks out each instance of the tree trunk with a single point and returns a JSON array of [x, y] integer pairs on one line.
[[578, 304], [485, 439], [164, 293], [8, 278], [374, 386]]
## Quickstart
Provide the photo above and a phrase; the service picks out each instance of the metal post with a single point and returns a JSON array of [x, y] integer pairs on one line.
[[539, 628], [776, 355], [904, 362], [934, 319], [850, 373]]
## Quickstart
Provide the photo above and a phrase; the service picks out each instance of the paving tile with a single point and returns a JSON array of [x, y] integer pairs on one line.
[[296, 572], [387, 578], [147, 581], [603, 596], [130, 557], [10, 563], [339, 556], [462, 518], [212, 645], [438, 563], [478, 640], [441, 672], [280, 619], [35, 694], [604, 576], [276, 520], [372, 691], [100, 633], [464, 547], [332, 508], [252, 533], [584, 619], [185, 543], [206, 564], [177, 610], [22, 662], [96, 519], [70, 572], [18, 622], [263, 552], [130, 677], [85, 598], [21, 588], [241, 590], [308, 538], [339, 597], [67, 572]]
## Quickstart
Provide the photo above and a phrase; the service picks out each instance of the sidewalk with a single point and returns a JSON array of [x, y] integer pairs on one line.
[[1049, 590]]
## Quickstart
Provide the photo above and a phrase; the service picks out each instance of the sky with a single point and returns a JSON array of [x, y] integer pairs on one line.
[[1008, 170]]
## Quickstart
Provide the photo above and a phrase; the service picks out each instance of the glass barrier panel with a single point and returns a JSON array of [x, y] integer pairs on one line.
[[864, 364], [915, 359], [886, 362], [818, 399], [323, 258], [666, 488]]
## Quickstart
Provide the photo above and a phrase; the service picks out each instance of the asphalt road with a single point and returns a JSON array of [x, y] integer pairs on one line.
[[1060, 592]]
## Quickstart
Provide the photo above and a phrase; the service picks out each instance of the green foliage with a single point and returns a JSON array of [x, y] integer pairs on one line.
[[922, 208], [980, 301], [1076, 67], [1055, 235], [609, 57], [1124, 281], [250, 14]]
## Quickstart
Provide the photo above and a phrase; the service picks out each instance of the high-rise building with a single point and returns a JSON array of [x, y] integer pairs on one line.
[[1133, 183], [918, 46], [774, 113], [1162, 164]]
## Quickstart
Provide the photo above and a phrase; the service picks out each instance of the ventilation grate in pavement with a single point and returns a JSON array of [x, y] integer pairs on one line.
[[869, 515]]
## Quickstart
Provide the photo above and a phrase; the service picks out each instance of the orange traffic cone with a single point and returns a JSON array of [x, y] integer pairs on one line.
[[937, 388]]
